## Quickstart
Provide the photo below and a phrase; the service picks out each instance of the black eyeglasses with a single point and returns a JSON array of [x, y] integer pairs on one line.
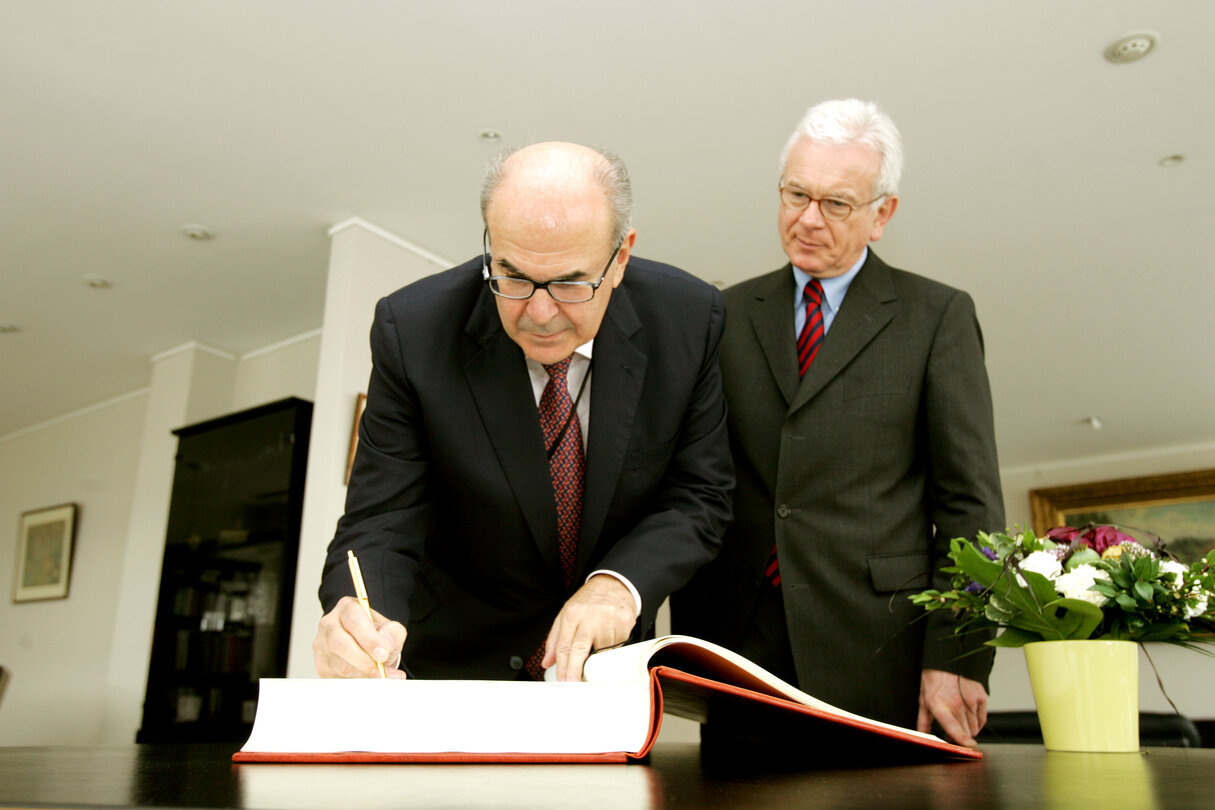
[[518, 288]]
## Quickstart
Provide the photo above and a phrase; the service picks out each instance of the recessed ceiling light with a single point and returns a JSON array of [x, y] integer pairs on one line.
[[1092, 421], [8, 328], [1172, 160], [199, 233], [1132, 47], [95, 281], [490, 135]]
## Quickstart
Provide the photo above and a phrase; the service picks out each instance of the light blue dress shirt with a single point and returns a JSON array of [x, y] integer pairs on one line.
[[834, 290]]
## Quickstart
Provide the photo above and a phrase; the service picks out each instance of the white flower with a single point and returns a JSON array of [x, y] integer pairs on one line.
[[1042, 562], [1174, 572], [1077, 584], [1198, 607]]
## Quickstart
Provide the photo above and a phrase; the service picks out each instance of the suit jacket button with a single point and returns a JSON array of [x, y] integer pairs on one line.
[[782, 511], [516, 662]]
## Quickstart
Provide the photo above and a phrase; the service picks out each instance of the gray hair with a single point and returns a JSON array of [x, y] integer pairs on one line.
[[846, 121], [611, 175]]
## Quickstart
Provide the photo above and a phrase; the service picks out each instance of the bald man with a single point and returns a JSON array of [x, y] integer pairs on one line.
[[543, 456]]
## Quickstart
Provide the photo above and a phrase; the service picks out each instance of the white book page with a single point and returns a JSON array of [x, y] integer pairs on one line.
[[313, 715], [632, 662]]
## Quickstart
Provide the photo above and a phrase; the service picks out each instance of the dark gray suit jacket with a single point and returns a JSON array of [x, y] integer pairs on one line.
[[450, 507], [860, 473]]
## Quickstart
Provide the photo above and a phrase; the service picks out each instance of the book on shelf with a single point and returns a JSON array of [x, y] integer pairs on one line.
[[613, 715]]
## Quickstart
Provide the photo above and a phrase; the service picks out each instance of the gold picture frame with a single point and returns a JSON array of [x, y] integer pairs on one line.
[[45, 541], [1179, 508], [359, 405]]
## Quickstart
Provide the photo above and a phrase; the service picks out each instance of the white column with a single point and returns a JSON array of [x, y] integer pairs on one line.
[[189, 384], [365, 264]]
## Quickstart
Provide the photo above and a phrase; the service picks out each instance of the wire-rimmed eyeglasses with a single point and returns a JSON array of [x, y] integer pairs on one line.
[[832, 208]]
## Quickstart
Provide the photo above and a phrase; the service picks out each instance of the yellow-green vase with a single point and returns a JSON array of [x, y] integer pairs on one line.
[[1087, 694]]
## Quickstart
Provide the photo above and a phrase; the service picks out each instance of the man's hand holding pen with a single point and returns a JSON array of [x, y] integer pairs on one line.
[[349, 643]]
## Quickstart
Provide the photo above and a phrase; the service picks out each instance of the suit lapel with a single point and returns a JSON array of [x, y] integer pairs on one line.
[[771, 316], [498, 378], [864, 312], [618, 371]]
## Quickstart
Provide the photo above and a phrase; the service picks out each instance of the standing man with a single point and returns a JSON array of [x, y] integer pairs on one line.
[[543, 456], [860, 421]]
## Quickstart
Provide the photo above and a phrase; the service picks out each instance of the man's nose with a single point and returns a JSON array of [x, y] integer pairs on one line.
[[541, 307], [812, 216]]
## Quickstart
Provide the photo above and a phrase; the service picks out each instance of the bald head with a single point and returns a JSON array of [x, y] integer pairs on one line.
[[560, 185]]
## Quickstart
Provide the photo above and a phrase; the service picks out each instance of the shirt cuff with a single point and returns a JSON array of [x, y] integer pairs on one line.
[[627, 584]]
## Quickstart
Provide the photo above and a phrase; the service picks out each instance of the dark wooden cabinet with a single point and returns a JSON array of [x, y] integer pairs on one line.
[[223, 616]]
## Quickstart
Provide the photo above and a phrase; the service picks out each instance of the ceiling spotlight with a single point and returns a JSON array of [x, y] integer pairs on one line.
[[1172, 160], [95, 281], [1093, 422], [1132, 47], [199, 233], [7, 328], [490, 135]]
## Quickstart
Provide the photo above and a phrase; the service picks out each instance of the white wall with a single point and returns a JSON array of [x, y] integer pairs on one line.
[[79, 665], [58, 650]]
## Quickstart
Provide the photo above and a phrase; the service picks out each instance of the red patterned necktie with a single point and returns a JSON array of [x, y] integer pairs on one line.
[[808, 343], [567, 466]]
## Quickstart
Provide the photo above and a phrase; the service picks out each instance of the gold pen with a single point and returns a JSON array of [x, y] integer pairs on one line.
[[360, 590]]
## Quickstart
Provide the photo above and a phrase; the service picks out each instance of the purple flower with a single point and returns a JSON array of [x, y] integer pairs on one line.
[[988, 553], [974, 587]]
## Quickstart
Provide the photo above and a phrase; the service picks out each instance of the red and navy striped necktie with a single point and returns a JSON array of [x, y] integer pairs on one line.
[[811, 338]]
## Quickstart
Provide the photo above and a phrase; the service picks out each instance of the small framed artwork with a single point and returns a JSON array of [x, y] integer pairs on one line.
[[1178, 508], [354, 434], [44, 553]]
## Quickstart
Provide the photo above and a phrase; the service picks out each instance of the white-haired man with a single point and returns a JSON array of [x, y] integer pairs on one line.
[[860, 421]]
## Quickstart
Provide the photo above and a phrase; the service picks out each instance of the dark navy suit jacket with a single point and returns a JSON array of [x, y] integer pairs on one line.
[[450, 507]]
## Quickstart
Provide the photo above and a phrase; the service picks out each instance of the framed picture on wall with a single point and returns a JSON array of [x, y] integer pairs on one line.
[[1179, 508], [44, 553]]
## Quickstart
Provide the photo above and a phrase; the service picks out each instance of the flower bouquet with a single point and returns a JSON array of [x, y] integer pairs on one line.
[[1079, 601], [1094, 582]]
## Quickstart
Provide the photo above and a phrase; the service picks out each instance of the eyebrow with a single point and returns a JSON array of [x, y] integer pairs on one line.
[[574, 275], [839, 194]]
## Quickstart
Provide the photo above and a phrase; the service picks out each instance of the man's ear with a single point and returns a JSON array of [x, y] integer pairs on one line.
[[884, 213], [622, 256]]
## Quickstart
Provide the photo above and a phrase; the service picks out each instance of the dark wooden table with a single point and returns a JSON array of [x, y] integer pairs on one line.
[[675, 776]]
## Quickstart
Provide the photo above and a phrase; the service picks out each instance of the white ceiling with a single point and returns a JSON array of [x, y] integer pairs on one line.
[[1032, 175]]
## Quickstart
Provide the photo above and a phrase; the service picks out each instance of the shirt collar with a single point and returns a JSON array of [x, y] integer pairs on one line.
[[834, 288]]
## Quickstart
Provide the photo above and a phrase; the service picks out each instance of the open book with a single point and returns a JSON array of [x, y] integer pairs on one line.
[[613, 715]]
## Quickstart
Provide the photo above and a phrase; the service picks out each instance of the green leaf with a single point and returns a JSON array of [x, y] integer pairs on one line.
[[1081, 557], [1144, 591], [977, 567], [1043, 589], [1167, 632], [1014, 637], [1074, 618]]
